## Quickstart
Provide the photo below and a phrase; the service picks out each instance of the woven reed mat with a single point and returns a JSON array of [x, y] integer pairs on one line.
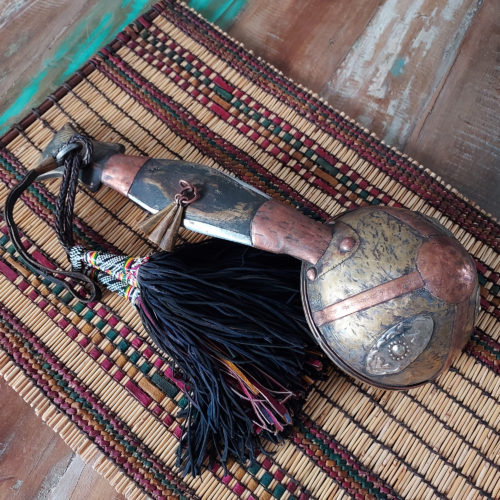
[[173, 86]]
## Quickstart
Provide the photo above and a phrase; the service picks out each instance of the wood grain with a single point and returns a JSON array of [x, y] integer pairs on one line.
[[459, 132], [36, 463], [45, 41], [389, 76], [305, 40], [390, 65]]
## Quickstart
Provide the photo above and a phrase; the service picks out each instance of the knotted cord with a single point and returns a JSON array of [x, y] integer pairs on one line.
[[72, 157]]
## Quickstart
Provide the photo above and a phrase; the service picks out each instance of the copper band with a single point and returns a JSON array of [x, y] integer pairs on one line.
[[120, 170], [279, 228], [369, 298]]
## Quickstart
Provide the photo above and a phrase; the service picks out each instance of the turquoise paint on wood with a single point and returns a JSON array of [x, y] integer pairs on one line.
[[398, 67], [93, 31], [221, 12], [93, 43], [103, 21]]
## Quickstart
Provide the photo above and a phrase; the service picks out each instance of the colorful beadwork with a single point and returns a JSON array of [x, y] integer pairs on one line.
[[118, 273]]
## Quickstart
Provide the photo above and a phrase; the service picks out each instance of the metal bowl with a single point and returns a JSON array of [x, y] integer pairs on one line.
[[393, 299]]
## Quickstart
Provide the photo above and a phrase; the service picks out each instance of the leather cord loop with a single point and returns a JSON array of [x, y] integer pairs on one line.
[[75, 152]]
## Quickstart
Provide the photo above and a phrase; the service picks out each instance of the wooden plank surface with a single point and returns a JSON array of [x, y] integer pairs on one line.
[[377, 83], [421, 74], [46, 41], [35, 463], [459, 134], [307, 40]]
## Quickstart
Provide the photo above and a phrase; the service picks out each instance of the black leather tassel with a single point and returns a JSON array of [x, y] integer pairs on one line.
[[231, 320], [228, 316]]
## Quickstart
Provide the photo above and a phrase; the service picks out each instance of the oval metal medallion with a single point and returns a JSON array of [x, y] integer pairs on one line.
[[399, 345]]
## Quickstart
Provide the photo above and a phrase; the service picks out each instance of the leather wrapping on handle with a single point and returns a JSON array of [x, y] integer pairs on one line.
[[231, 209]]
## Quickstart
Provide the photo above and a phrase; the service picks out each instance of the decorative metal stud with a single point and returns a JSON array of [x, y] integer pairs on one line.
[[347, 244], [311, 274]]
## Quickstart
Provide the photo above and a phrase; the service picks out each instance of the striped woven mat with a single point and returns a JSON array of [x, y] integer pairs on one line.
[[173, 86]]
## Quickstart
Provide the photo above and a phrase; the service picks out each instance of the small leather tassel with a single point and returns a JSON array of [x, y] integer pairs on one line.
[[163, 227]]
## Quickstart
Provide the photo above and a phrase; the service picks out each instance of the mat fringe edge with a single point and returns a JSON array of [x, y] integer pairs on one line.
[[324, 101], [79, 443]]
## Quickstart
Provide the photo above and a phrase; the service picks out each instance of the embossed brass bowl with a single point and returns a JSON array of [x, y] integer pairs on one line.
[[394, 297]]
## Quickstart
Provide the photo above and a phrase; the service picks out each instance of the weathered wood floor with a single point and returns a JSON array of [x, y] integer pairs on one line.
[[35, 463], [422, 74]]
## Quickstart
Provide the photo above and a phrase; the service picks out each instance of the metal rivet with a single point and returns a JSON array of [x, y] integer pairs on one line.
[[398, 351], [311, 274], [347, 244]]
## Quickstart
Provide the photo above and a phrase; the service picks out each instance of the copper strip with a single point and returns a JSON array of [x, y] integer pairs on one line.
[[369, 298], [120, 170], [279, 228]]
